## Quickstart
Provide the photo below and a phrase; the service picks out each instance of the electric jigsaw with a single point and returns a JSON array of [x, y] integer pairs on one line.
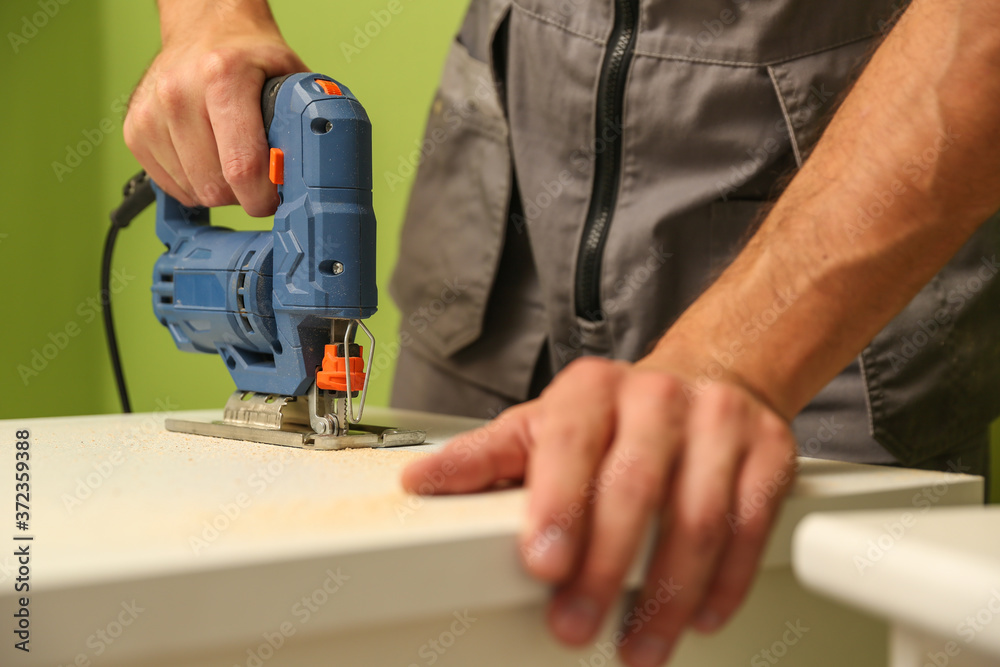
[[282, 308]]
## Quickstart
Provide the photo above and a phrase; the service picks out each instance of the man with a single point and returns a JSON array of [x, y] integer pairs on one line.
[[594, 164]]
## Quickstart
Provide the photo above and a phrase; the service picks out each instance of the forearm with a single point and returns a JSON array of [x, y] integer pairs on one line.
[[905, 173], [184, 17]]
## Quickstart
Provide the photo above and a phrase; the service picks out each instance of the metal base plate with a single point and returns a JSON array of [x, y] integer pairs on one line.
[[360, 435]]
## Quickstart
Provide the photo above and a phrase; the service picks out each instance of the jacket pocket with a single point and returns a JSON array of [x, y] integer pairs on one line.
[[454, 229], [933, 374], [809, 89]]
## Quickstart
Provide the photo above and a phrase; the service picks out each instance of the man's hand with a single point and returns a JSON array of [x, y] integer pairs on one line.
[[610, 446], [194, 122], [607, 450]]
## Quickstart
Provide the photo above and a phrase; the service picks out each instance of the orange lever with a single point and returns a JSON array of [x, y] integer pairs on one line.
[[276, 170], [329, 87], [333, 375]]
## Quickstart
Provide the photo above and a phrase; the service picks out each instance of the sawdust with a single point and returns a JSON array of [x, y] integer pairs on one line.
[[389, 512], [167, 489]]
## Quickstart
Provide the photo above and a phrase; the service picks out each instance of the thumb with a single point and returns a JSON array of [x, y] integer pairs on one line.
[[477, 459]]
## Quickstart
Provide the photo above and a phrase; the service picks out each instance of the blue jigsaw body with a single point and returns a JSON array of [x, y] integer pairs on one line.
[[264, 300]]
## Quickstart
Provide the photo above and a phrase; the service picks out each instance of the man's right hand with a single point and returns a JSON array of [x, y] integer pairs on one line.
[[194, 121]]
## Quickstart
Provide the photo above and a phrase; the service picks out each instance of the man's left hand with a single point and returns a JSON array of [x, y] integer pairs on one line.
[[608, 449]]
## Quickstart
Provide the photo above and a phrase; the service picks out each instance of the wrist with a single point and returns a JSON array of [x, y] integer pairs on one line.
[[704, 348], [700, 367], [187, 21]]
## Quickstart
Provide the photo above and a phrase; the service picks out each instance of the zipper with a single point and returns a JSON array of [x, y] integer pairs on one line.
[[607, 163]]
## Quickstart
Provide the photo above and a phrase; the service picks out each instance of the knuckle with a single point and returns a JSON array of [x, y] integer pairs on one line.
[[138, 123], [755, 529], [241, 168], [773, 427], [219, 65], [705, 529], [567, 435], [722, 400], [170, 92], [212, 195], [604, 578], [658, 388], [726, 596], [644, 488]]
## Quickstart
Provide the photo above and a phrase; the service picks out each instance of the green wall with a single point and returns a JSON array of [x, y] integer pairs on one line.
[[71, 79], [49, 230]]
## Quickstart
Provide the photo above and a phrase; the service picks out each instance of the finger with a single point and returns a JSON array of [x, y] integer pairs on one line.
[[574, 428], [765, 480], [687, 554], [475, 460], [629, 487], [149, 140], [233, 101], [194, 141]]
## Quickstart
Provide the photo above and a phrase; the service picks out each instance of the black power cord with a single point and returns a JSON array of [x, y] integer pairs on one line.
[[136, 196]]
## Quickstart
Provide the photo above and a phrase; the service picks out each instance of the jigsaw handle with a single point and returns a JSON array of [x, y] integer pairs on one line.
[[264, 300], [179, 221]]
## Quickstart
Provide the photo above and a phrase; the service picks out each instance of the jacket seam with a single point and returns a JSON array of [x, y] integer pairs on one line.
[[877, 397], [747, 63], [867, 394], [557, 24], [788, 117]]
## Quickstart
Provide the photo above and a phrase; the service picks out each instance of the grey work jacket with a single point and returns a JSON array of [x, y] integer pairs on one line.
[[719, 100]]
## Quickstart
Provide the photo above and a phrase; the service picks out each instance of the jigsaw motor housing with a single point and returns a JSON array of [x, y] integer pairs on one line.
[[264, 300]]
